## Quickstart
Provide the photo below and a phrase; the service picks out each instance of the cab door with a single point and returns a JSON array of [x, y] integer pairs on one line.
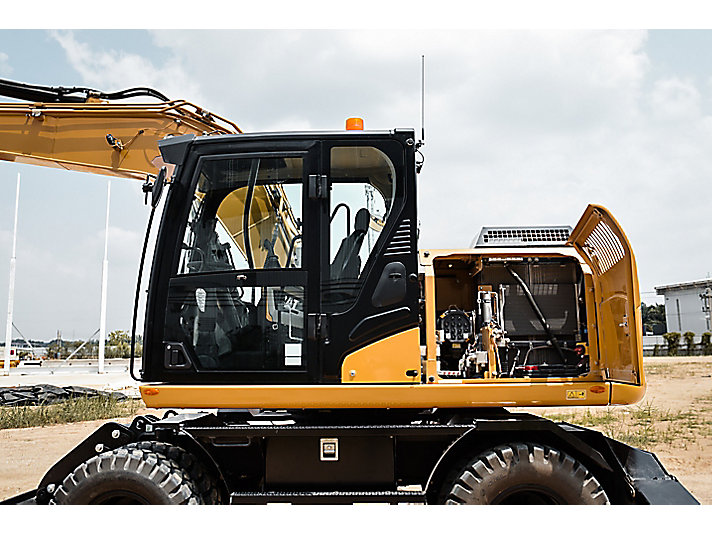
[[243, 281], [603, 245], [369, 289]]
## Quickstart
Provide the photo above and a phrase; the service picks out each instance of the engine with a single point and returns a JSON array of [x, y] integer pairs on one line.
[[470, 342], [544, 333]]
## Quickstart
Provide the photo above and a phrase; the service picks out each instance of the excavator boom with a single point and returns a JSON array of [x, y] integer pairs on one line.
[[100, 137], [80, 129]]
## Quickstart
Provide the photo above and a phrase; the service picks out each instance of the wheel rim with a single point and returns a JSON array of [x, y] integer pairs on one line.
[[528, 494], [119, 497]]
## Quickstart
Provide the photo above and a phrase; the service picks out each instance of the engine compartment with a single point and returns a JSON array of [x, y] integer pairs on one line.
[[510, 317]]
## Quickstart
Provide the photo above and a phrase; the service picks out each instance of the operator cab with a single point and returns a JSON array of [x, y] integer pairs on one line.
[[278, 254]]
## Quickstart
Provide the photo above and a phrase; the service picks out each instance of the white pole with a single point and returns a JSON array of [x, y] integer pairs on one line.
[[11, 290], [104, 276]]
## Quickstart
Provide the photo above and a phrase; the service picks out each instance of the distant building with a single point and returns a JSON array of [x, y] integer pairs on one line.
[[687, 306]]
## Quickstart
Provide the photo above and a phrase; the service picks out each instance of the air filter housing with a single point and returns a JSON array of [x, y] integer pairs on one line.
[[522, 236]]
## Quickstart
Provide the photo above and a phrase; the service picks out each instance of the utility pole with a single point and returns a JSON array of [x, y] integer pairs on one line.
[[11, 290], [104, 276], [706, 297]]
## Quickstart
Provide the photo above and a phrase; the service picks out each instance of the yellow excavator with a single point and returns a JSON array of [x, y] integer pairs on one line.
[[330, 360]]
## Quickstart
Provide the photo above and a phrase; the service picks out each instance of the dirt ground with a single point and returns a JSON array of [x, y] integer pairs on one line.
[[674, 421]]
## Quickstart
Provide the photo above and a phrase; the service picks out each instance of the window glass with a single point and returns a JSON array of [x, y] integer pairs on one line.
[[246, 216], [241, 328], [269, 191], [362, 193]]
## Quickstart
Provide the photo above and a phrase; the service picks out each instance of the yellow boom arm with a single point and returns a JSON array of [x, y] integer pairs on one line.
[[122, 140], [102, 138]]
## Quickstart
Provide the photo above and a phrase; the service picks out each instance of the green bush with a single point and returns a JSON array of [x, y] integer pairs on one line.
[[673, 342], [706, 343], [689, 338]]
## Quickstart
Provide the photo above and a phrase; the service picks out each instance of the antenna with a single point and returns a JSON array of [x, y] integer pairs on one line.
[[422, 100], [419, 144]]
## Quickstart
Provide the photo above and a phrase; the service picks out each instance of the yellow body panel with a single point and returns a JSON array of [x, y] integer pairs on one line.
[[445, 394], [385, 361], [603, 245]]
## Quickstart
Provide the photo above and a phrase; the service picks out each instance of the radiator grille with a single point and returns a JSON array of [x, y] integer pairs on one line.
[[513, 236]]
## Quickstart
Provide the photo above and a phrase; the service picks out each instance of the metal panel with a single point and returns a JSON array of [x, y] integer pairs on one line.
[[364, 461], [603, 245]]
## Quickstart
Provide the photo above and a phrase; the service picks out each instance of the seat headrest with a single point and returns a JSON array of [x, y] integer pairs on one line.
[[363, 218]]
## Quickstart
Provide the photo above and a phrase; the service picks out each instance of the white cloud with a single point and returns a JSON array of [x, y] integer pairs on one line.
[[111, 70], [675, 99], [5, 68]]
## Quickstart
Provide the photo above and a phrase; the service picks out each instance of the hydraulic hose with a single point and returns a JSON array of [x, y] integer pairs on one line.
[[46, 93]]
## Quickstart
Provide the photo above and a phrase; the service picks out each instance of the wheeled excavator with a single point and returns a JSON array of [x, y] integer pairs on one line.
[[306, 351]]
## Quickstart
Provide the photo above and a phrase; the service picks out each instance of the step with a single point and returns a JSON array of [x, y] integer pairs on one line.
[[327, 497]]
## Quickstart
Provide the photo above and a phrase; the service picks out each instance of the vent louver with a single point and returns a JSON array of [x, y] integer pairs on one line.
[[400, 243], [604, 247]]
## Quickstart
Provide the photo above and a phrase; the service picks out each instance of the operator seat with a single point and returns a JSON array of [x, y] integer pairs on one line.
[[347, 262], [342, 288]]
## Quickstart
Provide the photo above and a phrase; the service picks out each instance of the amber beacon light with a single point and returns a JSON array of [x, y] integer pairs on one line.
[[354, 123]]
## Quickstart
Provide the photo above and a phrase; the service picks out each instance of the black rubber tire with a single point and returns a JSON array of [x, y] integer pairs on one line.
[[127, 476], [205, 484], [522, 473]]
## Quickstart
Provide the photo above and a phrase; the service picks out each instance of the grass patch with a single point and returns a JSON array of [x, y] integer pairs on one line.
[[643, 426], [587, 418], [70, 411], [650, 426]]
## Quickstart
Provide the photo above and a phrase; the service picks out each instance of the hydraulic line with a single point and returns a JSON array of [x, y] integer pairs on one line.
[[45, 93]]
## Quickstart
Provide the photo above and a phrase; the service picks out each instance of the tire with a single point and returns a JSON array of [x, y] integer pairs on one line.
[[205, 484], [128, 475], [522, 473]]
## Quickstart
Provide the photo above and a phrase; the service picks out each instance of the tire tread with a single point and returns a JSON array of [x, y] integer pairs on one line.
[[151, 465], [473, 482]]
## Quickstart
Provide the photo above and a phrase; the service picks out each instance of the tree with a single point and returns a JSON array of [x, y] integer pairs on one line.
[[673, 342], [706, 343], [121, 341], [689, 338], [57, 349], [652, 315]]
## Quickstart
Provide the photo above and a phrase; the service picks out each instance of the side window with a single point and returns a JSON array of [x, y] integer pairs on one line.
[[265, 194], [362, 193]]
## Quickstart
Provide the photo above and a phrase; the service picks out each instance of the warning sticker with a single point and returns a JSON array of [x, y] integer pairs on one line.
[[575, 394]]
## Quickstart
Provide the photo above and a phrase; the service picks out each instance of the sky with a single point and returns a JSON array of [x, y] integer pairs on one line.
[[523, 127]]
